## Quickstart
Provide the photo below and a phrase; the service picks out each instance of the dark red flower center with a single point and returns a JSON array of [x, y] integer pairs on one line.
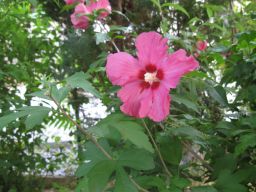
[[151, 77]]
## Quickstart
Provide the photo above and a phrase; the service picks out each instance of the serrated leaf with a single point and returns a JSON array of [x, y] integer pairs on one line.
[[104, 128], [188, 132], [123, 182], [228, 161], [152, 181], [184, 101], [5, 120], [40, 94], [245, 142], [137, 159], [99, 175], [218, 93], [171, 149], [128, 129], [25, 111], [35, 119], [134, 133], [78, 80], [92, 156], [59, 94], [227, 182]]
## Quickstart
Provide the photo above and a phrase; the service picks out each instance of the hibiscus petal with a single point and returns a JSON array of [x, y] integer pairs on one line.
[[79, 18], [151, 48], [201, 45], [177, 65], [137, 101], [102, 5], [121, 68], [161, 104]]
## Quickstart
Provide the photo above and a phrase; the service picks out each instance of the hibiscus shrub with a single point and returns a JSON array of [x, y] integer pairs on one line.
[[179, 86]]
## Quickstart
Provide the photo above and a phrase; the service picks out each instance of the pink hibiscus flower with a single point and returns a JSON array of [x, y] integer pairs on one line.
[[102, 5], [80, 18], [201, 45], [70, 2], [146, 80]]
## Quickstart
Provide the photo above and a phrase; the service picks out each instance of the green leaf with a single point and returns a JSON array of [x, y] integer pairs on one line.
[[104, 128], [78, 80], [35, 119], [171, 149], [123, 182], [134, 133], [99, 175], [199, 74], [227, 182], [92, 156], [151, 181], [209, 12], [218, 93], [59, 94], [181, 100], [188, 132], [245, 142], [32, 111], [41, 94], [203, 189], [157, 4], [82, 185], [5, 120], [176, 7], [137, 159], [179, 182], [128, 129], [120, 13], [228, 161]]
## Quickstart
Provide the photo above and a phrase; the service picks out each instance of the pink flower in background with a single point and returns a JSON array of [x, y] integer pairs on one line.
[[80, 18], [146, 80], [70, 2], [101, 5], [201, 45]]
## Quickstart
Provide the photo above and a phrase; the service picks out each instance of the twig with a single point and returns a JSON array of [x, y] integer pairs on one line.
[[112, 41], [83, 131], [136, 185], [204, 163], [157, 149], [114, 44], [92, 139]]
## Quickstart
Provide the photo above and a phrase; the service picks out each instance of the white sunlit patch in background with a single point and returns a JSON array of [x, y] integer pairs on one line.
[[61, 139]]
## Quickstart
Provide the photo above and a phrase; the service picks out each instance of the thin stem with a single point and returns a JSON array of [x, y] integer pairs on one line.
[[204, 163], [114, 44], [82, 130], [198, 157], [112, 41], [157, 149], [92, 139], [136, 185]]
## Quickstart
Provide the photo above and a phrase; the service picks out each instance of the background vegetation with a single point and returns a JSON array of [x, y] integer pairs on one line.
[[207, 143]]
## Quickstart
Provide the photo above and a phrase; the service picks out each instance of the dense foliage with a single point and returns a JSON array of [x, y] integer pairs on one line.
[[208, 141]]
